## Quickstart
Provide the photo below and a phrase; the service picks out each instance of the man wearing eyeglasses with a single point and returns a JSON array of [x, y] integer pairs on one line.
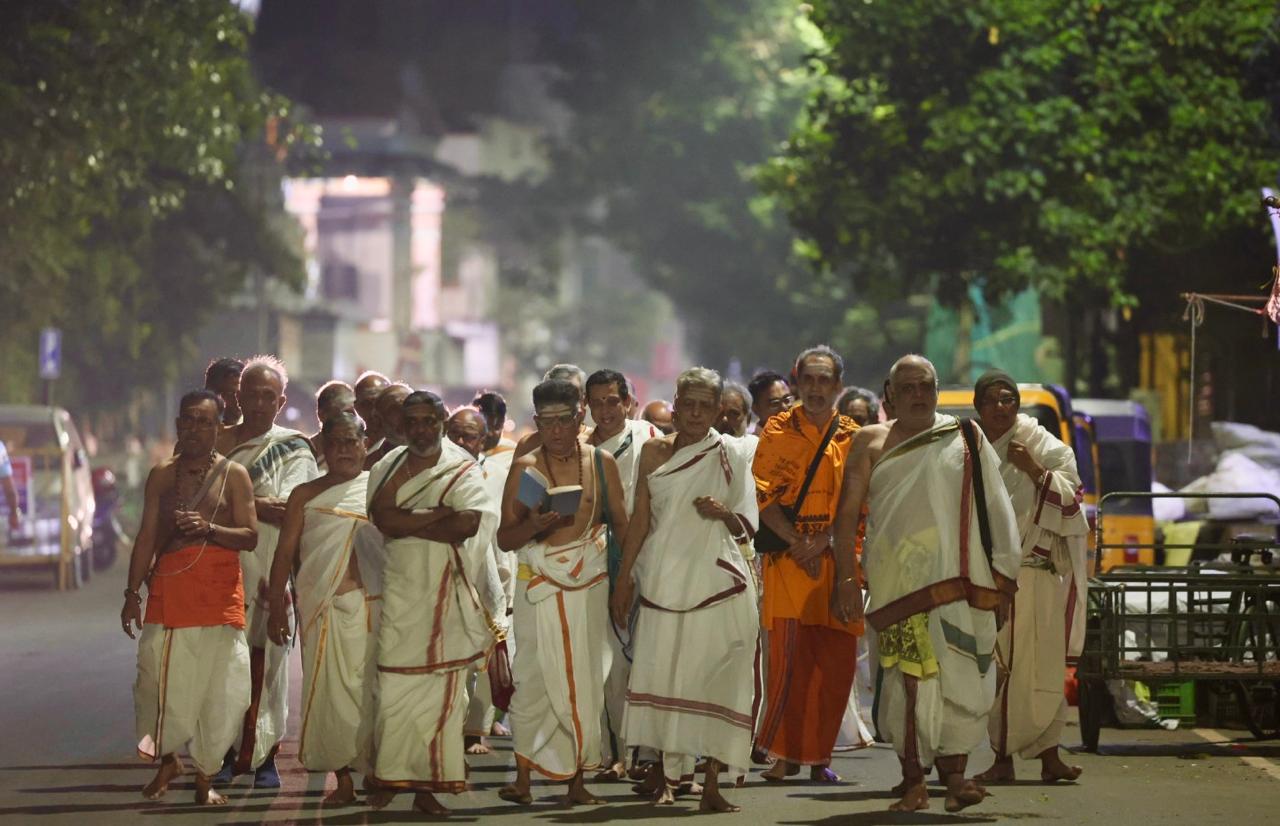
[[770, 395], [1047, 612], [562, 595]]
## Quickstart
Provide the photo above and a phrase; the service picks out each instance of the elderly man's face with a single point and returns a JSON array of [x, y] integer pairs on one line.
[[915, 394], [423, 429], [467, 430], [261, 397], [344, 451], [858, 410], [197, 429], [997, 410], [694, 411], [391, 414], [733, 414], [818, 384]]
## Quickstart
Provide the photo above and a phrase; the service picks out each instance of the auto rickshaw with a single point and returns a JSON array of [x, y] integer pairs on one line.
[[1123, 433]]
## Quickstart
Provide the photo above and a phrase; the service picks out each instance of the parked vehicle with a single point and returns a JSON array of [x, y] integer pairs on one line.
[[1123, 433], [51, 470], [107, 531]]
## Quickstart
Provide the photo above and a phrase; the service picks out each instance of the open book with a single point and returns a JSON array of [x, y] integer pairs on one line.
[[535, 493]]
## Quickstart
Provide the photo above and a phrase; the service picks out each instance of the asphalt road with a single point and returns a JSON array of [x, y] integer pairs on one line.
[[66, 756]]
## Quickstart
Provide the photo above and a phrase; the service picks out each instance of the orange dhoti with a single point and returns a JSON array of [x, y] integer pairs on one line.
[[192, 687], [812, 661]]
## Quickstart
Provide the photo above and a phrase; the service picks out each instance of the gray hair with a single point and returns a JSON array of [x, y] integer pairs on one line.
[[568, 372], [851, 393], [344, 418], [913, 360], [702, 377], [818, 351], [739, 391], [265, 361]]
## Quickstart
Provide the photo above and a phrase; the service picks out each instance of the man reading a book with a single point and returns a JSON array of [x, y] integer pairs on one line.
[[555, 507]]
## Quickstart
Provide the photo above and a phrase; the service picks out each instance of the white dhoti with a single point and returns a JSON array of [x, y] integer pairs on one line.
[[191, 692], [561, 660], [693, 679], [434, 628], [933, 593], [277, 461], [1046, 619], [338, 630], [337, 686]]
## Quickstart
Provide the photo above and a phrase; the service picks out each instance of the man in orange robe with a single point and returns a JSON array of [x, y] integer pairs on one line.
[[812, 655]]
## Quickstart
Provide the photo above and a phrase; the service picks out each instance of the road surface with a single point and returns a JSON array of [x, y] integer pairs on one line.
[[66, 756]]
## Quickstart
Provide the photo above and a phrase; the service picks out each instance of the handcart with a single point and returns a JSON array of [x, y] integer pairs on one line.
[[1214, 622]]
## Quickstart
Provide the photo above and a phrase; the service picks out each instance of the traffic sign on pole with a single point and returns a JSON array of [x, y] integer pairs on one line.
[[50, 353]]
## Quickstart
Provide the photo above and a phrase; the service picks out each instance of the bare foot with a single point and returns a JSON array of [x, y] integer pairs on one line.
[[780, 771], [580, 797], [205, 795], [1052, 769], [612, 774], [380, 798], [477, 747], [499, 730], [1001, 771], [963, 795], [914, 798], [170, 768], [713, 801], [426, 802], [345, 794], [514, 794]]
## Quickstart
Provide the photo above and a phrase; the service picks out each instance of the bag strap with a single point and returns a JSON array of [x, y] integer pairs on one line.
[[967, 430], [817, 460], [603, 486]]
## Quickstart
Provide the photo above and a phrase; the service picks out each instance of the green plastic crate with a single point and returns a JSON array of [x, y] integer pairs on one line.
[[1177, 700]]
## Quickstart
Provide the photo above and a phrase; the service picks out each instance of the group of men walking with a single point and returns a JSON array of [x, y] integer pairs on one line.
[[671, 592]]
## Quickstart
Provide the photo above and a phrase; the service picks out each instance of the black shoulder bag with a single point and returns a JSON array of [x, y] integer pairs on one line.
[[767, 541], [967, 428]]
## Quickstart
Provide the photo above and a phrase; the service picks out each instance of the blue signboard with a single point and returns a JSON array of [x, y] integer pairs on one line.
[[50, 353]]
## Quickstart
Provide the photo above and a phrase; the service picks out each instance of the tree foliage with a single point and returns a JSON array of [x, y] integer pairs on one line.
[[1078, 145], [130, 130], [673, 107]]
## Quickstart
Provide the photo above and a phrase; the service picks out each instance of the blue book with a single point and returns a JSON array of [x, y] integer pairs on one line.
[[536, 495]]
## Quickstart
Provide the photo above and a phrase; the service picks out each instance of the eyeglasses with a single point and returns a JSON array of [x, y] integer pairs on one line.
[[1006, 400], [562, 422]]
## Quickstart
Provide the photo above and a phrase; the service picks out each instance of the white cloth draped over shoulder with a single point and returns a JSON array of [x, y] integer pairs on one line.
[[1051, 523], [338, 632], [433, 618], [931, 588], [433, 628], [278, 461], [562, 658], [697, 598], [689, 562], [1046, 622]]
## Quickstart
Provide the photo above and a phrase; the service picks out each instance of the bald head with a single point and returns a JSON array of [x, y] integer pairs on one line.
[[367, 388], [468, 430], [915, 361], [914, 384], [658, 414], [390, 413]]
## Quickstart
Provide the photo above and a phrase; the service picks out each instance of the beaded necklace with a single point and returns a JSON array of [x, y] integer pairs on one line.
[[577, 453]]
